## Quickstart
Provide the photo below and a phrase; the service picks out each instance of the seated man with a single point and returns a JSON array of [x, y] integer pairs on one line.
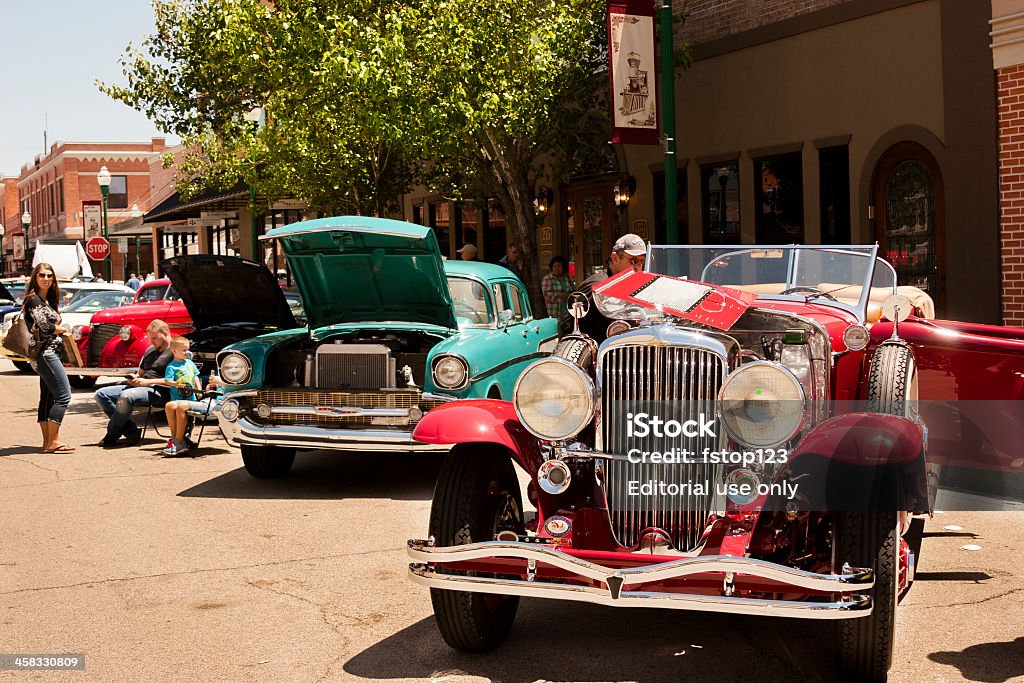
[[143, 389]]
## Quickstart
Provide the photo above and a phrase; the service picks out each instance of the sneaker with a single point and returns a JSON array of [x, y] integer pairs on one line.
[[172, 449], [182, 448]]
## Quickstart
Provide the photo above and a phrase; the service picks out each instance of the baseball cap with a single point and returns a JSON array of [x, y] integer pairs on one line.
[[631, 244], [471, 248]]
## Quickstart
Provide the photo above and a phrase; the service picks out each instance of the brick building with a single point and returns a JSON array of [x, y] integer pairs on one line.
[[10, 219], [811, 121], [55, 187]]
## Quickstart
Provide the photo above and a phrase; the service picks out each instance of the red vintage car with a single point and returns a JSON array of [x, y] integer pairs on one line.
[[752, 437], [116, 337]]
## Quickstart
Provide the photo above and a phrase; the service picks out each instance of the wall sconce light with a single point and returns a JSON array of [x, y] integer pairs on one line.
[[623, 190], [542, 202]]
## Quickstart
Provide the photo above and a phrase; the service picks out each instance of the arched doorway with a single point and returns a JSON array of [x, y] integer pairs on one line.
[[909, 205]]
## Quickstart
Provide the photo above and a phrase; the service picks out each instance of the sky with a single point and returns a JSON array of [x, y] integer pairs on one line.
[[53, 52]]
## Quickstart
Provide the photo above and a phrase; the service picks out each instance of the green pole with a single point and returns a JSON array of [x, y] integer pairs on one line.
[[110, 266], [138, 261], [254, 224], [668, 110]]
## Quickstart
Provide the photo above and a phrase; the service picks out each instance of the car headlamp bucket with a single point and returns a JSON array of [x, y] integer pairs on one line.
[[554, 477], [762, 404], [450, 372], [229, 410], [235, 368], [77, 332], [856, 337], [125, 333], [554, 399]]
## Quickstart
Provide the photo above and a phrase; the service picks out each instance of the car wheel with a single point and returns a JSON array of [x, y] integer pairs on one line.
[[267, 462], [81, 381], [23, 365], [477, 495], [865, 644]]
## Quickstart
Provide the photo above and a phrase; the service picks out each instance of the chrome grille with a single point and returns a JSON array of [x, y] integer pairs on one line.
[[363, 399], [354, 366], [99, 335], [671, 382]]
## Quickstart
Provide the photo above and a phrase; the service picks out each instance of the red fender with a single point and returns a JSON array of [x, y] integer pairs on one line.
[[124, 354], [869, 439], [480, 421]]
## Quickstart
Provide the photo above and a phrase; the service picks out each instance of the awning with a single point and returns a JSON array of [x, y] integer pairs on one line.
[[174, 208]]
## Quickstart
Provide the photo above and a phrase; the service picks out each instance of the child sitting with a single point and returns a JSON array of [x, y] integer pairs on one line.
[[182, 376]]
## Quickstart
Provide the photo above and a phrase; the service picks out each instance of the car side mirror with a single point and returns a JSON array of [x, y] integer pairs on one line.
[[505, 317]]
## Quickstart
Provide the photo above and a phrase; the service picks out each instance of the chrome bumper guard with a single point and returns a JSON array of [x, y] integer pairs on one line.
[[850, 606], [244, 432]]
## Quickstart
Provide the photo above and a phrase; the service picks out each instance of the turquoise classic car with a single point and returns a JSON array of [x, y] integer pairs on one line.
[[392, 332]]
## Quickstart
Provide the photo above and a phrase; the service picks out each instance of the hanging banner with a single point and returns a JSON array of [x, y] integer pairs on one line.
[[631, 68], [92, 218]]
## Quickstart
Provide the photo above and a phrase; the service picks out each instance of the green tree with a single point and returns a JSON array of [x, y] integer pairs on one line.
[[364, 97]]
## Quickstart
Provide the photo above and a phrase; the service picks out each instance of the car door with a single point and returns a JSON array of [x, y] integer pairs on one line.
[[528, 338]]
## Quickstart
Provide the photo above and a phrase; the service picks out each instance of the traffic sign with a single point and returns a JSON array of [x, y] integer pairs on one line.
[[97, 248]]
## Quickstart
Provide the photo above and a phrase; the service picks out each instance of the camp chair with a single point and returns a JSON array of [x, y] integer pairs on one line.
[[201, 416]]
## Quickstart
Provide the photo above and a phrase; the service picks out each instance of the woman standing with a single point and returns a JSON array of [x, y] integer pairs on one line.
[[557, 286], [42, 313]]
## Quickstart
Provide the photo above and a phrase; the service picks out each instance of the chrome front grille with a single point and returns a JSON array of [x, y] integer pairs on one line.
[[354, 366], [99, 335], [401, 398], [673, 383]]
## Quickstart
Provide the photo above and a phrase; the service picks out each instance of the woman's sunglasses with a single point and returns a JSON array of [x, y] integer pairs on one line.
[[45, 276]]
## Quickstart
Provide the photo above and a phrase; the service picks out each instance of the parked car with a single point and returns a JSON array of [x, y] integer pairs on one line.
[[393, 331], [213, 300], [78, 314], [71, 293], [761, 351]]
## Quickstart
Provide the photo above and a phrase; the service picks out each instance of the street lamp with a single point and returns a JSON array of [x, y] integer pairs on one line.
[[103, 177], [26, 220]]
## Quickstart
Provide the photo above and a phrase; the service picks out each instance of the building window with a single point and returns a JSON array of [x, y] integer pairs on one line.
[[60, 192], [495, 236], [118, 197], [417, 214], [440, 221], [834, 178], [721, 203], [467, 227], [53, 200], [780, 200], [682, 209]]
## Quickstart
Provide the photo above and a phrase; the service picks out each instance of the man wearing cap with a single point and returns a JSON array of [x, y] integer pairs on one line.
[[467, 252], [629, 251]]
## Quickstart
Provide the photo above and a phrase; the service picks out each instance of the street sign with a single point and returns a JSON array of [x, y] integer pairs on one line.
[[97, 248], [122, 245], [92, 218]]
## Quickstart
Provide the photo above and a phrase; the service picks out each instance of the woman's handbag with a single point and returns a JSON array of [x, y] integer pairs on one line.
[[22, 342]]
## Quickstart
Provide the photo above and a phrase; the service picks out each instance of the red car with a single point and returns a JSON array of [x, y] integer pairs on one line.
[[748, 439]]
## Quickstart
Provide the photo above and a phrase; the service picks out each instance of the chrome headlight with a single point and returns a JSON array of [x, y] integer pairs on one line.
[[235, 368], [554, 399], [762, 404], [77, 332], [450, 372], [856, 337], [125, 333]]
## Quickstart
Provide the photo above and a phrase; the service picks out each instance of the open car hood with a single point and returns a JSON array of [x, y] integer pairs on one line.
[[356, 269], [226, 289]]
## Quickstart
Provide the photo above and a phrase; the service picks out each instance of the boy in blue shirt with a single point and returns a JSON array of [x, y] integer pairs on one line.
[[182, 376]]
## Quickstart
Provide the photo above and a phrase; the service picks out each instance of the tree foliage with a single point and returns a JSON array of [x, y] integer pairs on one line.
[[366, 97]]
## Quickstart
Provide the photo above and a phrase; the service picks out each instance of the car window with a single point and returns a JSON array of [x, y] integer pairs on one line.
[[470, 300], [172, 294], [97, 302], [154, 293], [515, 299]]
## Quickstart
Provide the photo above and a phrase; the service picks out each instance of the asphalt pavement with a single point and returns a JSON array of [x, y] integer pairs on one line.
[[161, 569]]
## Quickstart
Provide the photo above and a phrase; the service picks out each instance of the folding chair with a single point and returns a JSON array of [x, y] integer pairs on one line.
[[193, 415]]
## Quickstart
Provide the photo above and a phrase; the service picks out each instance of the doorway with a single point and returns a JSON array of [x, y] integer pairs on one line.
[[909, 203], [589, 225]]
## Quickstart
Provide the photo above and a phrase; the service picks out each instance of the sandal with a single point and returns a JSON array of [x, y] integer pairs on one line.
[[61, 448]]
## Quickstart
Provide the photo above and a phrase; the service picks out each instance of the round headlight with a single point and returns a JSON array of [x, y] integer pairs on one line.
[[856, 337], [125, 333], [229, 410], [762, 404], [451, 372], [76, 332], [235, 368], [554, 399]]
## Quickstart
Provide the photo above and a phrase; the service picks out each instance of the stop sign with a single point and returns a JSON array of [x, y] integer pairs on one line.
[[97, 248]]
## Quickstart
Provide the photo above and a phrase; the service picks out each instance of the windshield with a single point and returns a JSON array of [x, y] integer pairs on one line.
[[845, 276], [17, 291], [97, 301], [470, 300], [154, 293]]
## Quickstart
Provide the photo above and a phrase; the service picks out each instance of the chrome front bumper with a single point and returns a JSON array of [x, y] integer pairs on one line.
[[244, 432], [850, 605]]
